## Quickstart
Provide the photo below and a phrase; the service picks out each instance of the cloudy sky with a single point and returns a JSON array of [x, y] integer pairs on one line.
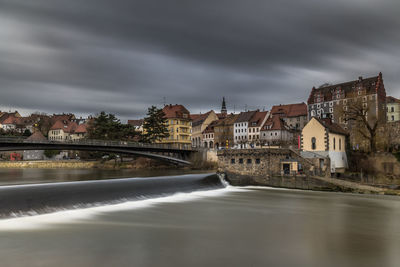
[[125, 55]]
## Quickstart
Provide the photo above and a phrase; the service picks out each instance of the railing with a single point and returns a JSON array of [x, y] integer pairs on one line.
[[93, 142]]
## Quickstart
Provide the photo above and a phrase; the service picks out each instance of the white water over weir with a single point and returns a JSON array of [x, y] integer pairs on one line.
[[25, 200]]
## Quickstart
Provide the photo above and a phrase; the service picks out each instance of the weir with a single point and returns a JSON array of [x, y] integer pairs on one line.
[[22, 200]]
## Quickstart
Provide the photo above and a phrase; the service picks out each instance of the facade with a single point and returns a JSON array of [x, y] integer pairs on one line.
[[332, 101], [63, 131], [392, 109], [275, 132], [293, 115], [324, 139], [240, 132], [8, 120], [199, 123], [224, 132], [254, 128], [208, 136], [179, 125]]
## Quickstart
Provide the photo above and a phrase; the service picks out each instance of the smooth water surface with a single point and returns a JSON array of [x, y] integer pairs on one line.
[[225, 227]]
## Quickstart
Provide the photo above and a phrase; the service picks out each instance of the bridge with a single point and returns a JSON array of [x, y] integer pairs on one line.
[[170, 153]]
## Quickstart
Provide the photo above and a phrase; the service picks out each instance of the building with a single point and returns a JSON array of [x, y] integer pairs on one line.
[[241, 135], [37, 136], [392, 109], [255, 124], [8, 120], [333, 101], [275, 132], [321, 139], [199, 123], [294, 115], [62, 131], [224, 132], [208, 136], [179, 124], [137, 124]]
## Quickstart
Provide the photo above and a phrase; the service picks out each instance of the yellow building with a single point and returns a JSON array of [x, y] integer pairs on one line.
[[324, 139], [179, 125], [392, 109]]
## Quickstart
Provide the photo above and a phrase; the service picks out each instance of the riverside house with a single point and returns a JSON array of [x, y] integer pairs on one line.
[[179, 125]]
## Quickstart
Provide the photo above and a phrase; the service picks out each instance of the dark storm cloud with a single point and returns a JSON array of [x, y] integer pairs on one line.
[[122, 56]]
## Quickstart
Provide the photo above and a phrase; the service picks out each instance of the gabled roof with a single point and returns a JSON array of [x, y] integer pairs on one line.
[[245, 116], [137, 123], [66, 126], [290, 110], [36, 136], [176, 111], [274, 123], [62, 117], [198, 119], [258, 119], [331, 126]]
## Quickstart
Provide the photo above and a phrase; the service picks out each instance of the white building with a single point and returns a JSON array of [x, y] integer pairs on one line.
[[240, 130]]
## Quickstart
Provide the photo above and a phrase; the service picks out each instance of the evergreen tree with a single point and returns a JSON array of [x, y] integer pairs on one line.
[[109, 127], [155, 125]]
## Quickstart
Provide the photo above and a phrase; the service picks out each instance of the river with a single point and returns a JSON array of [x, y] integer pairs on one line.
[[232, 226]]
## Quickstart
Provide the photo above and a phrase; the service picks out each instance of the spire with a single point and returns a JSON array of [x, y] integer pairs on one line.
[[223, 109]]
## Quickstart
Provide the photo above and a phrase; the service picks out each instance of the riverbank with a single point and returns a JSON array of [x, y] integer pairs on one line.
[[304, 182]]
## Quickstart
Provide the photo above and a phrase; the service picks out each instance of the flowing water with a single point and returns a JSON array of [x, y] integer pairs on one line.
[[211, 226]]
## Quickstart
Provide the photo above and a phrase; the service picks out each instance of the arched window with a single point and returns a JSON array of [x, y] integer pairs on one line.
[[340, 143], [334, 143], [312, 113], [313, 143]]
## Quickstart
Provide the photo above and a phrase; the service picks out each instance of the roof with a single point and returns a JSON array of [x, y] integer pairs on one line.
[[176, 111], [221, 115], [245, 116], [210, 127], [4, 119], [229, 120], [82, 128], [290, 110], [62, 117], [258, 119], [198, 119], [274, 123], [370, 84], [391, 99], [66, 126], [137, 123], [331, 126], [36, 136]]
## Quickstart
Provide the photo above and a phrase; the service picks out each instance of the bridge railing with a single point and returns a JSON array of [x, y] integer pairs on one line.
[[94, 142]]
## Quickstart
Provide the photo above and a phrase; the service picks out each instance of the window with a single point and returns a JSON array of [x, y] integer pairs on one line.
[[340, 144], [232, 161], [334, 143], [392, 118], [248, 161], [240, 161], [258, 161], [392, 109], [313, 143]]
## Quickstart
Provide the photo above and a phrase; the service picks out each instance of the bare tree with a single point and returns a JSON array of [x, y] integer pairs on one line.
[[364, 123]]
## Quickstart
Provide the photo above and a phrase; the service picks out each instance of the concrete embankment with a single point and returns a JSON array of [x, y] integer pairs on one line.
[[305, 183]]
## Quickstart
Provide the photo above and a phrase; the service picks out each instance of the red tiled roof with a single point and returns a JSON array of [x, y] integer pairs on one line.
[[66, 126], [273, 123], [210, 127], [290, 110], [10, 120], [82, 128], [176, 111], [258, 118], [198, 119], [136, 122]]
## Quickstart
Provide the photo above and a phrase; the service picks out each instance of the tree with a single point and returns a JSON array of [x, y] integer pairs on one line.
[[155, 125], [27, 133], [366, 125]]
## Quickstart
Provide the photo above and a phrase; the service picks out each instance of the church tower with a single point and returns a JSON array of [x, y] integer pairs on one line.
[[223, 108]]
